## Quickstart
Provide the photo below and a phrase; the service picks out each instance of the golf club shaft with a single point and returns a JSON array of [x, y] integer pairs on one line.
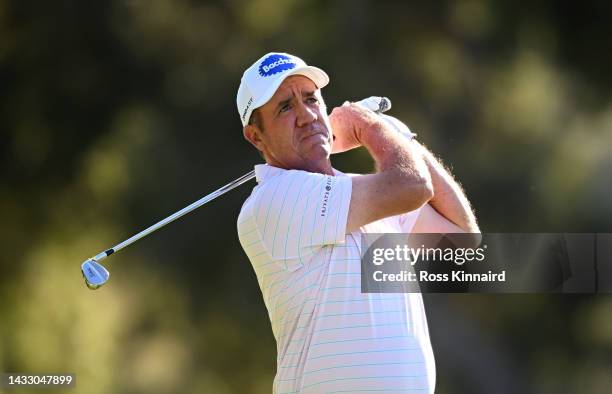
[[222, 190]]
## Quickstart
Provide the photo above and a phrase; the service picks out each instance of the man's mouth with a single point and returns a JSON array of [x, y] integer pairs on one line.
[[313, 133]]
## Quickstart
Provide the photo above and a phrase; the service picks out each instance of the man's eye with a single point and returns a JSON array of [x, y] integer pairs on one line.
[[285, 108], [312, 100]]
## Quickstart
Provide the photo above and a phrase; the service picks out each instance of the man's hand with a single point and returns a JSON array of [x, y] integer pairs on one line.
[[348, 123]]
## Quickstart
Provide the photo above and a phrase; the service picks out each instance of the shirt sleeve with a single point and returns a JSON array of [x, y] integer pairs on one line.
[[298, 212], [407, 220]]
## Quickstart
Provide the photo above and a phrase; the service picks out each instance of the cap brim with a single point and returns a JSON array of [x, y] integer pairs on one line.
[[315, 74]]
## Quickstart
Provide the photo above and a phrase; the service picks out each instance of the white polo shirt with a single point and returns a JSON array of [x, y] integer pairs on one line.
[[330, 337]]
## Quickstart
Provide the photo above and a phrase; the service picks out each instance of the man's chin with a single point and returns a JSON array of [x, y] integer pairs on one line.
[[321, 151], [317, 159]]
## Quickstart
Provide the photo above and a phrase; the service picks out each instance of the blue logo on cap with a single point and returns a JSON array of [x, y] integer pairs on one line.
[[274, 64]]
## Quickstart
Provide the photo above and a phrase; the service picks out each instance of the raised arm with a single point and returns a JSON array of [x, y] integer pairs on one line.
[[402, 182], [449, 210]]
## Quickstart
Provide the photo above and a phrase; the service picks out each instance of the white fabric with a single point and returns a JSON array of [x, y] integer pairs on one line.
[[330, 337]]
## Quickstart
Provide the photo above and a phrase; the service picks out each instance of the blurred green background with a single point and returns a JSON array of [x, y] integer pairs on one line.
[[114, 114]]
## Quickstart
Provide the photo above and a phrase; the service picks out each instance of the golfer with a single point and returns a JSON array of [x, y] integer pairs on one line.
[[301, 230]]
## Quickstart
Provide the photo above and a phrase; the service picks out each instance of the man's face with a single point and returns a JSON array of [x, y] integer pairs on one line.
[[295, 132]]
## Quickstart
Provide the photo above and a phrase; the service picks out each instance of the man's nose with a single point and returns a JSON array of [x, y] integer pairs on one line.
[[305, 115]]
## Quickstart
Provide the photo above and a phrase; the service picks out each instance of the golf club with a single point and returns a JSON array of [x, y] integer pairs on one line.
[[96, 275]]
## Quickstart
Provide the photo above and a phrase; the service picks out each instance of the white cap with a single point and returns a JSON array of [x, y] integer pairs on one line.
[[260, 81]]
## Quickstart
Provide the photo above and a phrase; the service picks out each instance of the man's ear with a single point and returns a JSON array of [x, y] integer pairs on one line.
[[252, 133]]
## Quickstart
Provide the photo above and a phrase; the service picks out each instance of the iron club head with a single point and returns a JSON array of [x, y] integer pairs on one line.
[[94, 273]]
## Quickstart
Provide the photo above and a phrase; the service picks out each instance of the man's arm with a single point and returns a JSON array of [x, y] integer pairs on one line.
[[402, 182], [449, 210]]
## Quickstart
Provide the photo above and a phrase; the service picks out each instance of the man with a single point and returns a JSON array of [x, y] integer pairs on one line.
[[301, 230]]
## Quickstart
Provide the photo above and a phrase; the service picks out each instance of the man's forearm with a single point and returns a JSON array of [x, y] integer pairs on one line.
[[449, 200], [406, 173], [402, 182], [388, 150]]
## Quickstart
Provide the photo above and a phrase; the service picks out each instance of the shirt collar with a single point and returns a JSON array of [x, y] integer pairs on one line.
[[264, 172]]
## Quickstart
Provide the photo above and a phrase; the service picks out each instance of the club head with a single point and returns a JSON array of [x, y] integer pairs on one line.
[[95, 274]]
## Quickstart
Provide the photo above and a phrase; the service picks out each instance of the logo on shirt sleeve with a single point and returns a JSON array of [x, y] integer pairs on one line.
[[328, 187]]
